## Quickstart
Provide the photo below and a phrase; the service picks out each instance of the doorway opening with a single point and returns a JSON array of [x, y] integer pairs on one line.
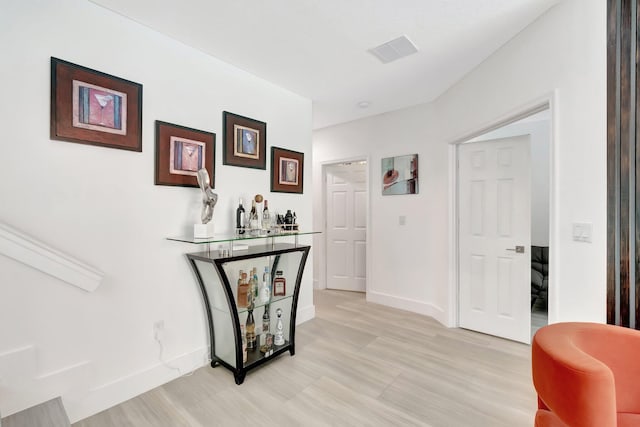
[[496, 284], [346, 218]]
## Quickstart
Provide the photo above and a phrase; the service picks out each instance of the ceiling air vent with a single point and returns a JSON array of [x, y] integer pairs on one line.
[[394, 49]]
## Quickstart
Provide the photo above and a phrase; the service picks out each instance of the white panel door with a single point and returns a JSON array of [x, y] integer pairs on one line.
[[346, 226], [494, 199]]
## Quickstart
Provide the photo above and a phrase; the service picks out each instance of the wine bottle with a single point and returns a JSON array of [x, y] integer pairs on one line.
[[266, 339], [240, 218], [251, 328], [288, 220]]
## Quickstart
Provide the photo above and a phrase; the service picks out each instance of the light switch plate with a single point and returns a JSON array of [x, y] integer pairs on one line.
[[582, 231], [402, 220]]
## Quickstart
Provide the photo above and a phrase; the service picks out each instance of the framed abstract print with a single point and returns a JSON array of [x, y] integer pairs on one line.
[[245, 141], [287, 170], [181, 152], [92, 107]]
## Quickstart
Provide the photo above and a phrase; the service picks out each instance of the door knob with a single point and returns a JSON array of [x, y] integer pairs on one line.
[[517, 249]]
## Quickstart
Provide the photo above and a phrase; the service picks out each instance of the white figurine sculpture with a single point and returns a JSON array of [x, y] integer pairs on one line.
[[209, 198]]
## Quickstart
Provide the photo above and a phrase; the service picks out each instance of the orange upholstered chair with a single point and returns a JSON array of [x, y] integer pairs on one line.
[[586, 375]]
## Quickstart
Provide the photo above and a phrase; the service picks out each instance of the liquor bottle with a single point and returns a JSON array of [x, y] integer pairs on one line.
[[243, 290], [244, 344], [240, 218], [253, 216], [265, 290], [253, 284], [251, 328], [279, 285], [288, 220], [266, 339], [266, 320], [266, 217], [279, 333]]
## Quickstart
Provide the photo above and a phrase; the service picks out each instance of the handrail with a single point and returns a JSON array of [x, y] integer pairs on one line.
[[29, 251]]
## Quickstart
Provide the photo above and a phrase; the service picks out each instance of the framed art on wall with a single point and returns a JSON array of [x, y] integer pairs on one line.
[[245, 141], [287, 170], [92, 107], [400, 175], [181, 152]]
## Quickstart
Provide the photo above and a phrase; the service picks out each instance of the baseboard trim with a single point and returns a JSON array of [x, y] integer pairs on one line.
[[305, 314], [25, 386], [117, 391], [319, 285], [122, 389], [414, 306]]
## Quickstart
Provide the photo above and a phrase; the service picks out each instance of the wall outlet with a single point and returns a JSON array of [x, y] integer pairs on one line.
[[158, 330]]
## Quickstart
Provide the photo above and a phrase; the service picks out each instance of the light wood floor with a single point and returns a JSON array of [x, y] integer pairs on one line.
[[356, 364]]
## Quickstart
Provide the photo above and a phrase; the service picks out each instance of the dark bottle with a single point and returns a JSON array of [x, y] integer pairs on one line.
[[288, 220], [251, 328], [266, 339], [266, 320], [240, 218]]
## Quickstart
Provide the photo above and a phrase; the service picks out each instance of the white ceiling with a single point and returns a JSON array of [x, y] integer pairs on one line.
[[318, 48]]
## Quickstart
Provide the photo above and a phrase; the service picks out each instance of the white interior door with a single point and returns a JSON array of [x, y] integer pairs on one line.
[[494, 198], [346, 226]]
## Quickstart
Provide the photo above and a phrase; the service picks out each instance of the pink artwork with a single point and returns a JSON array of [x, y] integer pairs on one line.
[[99, 108], [186, 156]]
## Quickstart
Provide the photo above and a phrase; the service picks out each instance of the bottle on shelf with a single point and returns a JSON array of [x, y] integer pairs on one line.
[[240, 218], [266, 217], [253, 216], [279, 332], [265, 290], [288, 220], [266, 339], [251, 328], [243, 290], [279, 285], [266, 320], [253, 284], [244, 344]]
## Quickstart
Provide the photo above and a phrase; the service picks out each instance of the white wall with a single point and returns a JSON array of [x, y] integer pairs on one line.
[[404, 261], [100, 205], [539, 132], [562, 55]]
